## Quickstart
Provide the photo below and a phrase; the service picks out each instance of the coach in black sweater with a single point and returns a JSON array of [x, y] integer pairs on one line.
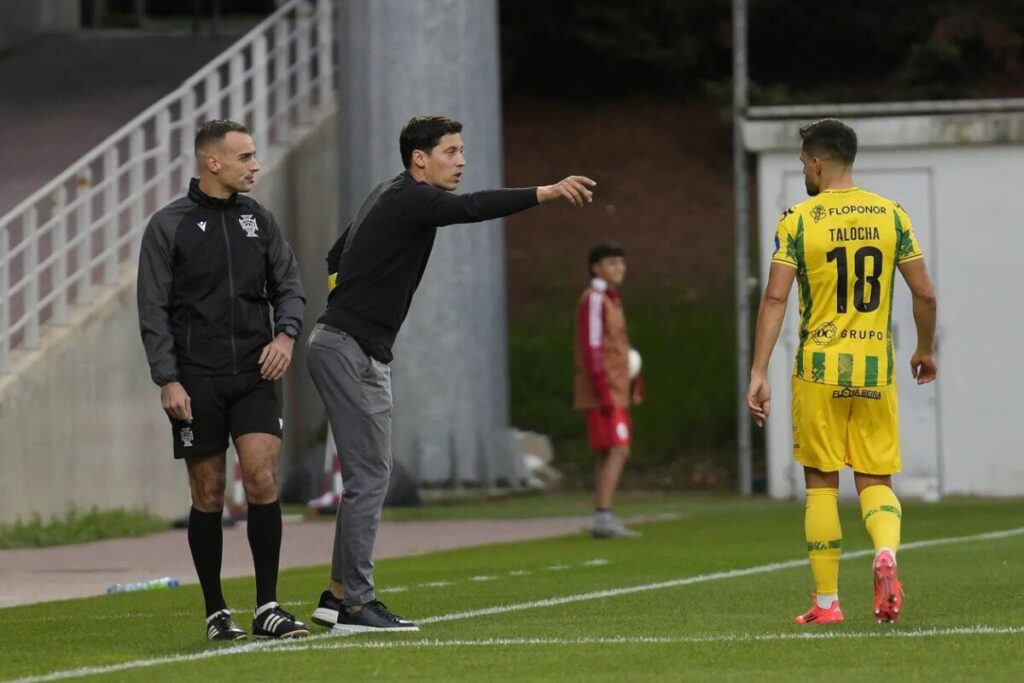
[[374, 269]]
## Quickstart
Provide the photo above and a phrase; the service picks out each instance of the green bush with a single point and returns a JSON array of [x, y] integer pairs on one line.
[[79, 527]]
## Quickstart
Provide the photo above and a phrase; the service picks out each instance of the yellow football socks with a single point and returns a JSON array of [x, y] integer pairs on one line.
[[882, 514], [824, 539]]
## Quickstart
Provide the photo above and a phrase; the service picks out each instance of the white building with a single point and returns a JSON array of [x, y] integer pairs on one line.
[[958, 169]]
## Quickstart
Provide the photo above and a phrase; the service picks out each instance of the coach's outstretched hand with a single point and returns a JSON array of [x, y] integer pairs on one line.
[[574, 189], [176, 402]]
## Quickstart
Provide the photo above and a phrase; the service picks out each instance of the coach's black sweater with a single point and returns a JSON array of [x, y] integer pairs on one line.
[[381, 256]]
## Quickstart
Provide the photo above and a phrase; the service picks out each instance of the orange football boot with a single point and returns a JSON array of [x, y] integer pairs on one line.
[[819, 615]]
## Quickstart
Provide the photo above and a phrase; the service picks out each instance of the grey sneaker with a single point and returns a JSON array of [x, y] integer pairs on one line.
[[326, 612], [374, 616], [613, 529]]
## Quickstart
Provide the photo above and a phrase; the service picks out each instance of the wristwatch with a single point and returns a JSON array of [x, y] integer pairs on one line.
[[290, 330]]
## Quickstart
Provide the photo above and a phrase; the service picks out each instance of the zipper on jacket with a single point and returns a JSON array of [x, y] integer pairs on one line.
[[231, 293], [188, 331]]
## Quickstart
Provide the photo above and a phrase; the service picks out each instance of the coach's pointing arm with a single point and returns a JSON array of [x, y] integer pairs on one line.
[[446, 208]]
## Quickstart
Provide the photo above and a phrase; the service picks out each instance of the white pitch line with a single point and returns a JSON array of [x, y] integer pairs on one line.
[[979, 630], [319, 643], [314, 641], [702, 578]]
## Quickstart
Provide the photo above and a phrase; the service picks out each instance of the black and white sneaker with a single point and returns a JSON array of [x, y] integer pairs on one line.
[[326, 612], [273, 622], [220, 626], [374, 616]]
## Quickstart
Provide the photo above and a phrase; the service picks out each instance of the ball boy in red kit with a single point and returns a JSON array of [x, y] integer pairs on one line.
[[604, 386]]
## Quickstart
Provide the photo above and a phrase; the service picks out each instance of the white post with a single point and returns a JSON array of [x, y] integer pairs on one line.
[[211, 105], [4, 302], [188, 118], [136, 180], [325, 53], [260, 104], [742, 252], [110, 269], [60, 263], [31, 227], [236, 87], [303, 54], [282, 81], [84, 222], [5, 335], [164, 167], [188, 133]]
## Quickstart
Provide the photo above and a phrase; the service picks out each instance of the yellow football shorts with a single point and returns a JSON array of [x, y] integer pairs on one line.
[[834, 427]]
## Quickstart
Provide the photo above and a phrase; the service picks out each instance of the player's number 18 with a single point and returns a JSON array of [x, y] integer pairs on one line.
[[860, 258]]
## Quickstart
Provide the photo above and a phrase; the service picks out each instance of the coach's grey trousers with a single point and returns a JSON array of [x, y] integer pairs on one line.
[[356, 391]]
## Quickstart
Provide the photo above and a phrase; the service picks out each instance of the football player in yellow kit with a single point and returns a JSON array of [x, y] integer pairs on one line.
[[843, 247]]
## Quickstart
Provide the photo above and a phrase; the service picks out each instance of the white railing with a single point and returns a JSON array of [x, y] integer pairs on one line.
[[85, 225]]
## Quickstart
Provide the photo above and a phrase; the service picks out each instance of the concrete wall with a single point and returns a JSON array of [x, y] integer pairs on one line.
[[81, 422], [22, 20], [954, 175]]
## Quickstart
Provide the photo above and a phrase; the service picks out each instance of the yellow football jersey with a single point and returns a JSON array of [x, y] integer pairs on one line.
[[845, 246]]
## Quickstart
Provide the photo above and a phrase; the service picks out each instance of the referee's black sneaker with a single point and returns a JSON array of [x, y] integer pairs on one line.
[[220, 626], [326, 612], [273, 622], [374, 616]]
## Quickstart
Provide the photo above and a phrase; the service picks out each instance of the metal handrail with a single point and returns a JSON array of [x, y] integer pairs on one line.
[[83, 226]]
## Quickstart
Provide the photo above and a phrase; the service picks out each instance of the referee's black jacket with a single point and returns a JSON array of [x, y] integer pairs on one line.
[[209, 271], [380, 258]]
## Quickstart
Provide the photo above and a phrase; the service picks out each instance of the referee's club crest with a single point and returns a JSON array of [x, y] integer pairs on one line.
[[187, 437], [248, 224]]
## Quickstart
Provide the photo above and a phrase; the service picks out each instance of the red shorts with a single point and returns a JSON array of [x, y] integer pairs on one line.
[[609, 429]]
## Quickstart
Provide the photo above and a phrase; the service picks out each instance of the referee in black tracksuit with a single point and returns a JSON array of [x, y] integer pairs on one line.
[[374, 269], [211, 266]]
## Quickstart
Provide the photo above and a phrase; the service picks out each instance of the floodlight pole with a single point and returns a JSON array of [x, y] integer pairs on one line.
[[742, 228]]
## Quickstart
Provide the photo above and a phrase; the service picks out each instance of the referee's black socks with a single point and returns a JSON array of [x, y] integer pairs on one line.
[[206, 541], [264, 529]]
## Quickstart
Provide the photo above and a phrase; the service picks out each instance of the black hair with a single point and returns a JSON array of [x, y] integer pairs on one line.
[[423, 133], [215, 130], [602, 250], [830, 138]]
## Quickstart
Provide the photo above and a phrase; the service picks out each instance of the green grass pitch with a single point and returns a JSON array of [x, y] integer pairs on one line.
[[709, 595]]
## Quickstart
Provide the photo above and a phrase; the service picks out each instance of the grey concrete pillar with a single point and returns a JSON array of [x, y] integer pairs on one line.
[[398, 59]]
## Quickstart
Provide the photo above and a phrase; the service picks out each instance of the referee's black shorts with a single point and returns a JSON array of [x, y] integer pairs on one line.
[[224, 405]]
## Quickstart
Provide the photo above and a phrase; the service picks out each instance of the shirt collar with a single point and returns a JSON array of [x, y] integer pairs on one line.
[[203, 199], [602, 286]]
